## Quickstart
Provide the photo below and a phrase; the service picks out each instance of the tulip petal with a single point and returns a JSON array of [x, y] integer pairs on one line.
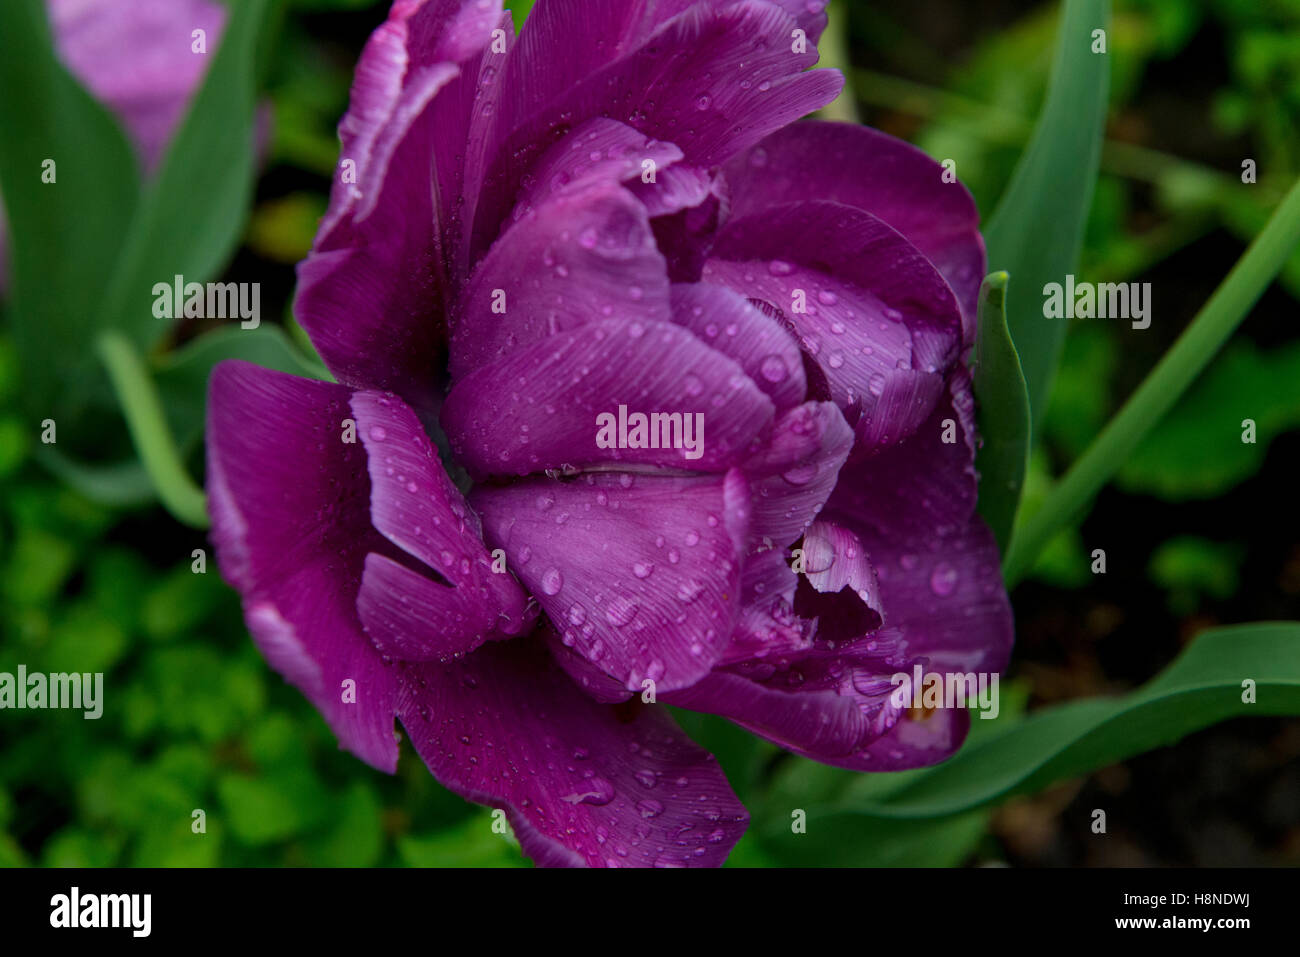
[[923, 487], [290, 520], [863, 301], [674, 79], [598, 151], [580, 782], [821, 724], [946, 600], [414, 504], [767, 623], [580, 258], [641, 573], [560, 401], [839, 587], [726, 321], [371, 294], [861, 167], [794, 475], [907, 397]]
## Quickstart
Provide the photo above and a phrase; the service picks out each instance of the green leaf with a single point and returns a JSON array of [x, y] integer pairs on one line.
[[148, 425], [1202, 687], [1063, 561], [520, 9], [172, 842], [1188, 567], [64, 235], [121, 485], [355, 834], [1037, 231], [471, 844], [78, 847], [1159, 391], [864, 841], [182, 378], [176, 604], [192, 215], [742, 755], [85, 642], [279, 806], [1003, 413], [1198, 451], [1083, 395]]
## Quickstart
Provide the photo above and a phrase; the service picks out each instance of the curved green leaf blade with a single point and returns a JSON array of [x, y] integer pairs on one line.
[[64, 233], [520, 9], [1003, 413], [931, 817], [119, 485], [1198, 452], [1037, 230], [1202, 687], [860, 840], [1159, 391], [147, 424], [190, 219]]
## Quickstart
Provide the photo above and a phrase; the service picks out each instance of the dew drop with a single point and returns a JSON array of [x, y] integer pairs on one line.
[[943, 580], [773, 369], [597, 792], [552, 581]]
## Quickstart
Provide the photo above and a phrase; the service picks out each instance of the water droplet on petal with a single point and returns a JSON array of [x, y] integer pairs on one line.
[[552, 581], [943, 580], [595, 791], [773, 369], [800, 474]]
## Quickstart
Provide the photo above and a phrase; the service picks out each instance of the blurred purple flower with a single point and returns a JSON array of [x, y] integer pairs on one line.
[[136, 57], [616, 208]]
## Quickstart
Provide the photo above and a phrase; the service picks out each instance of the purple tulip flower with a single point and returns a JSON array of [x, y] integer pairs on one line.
[[137, 58], [617, 209]]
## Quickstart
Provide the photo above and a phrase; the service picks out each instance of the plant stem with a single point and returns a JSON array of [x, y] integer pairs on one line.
[[153, 439], [1208, 331]]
